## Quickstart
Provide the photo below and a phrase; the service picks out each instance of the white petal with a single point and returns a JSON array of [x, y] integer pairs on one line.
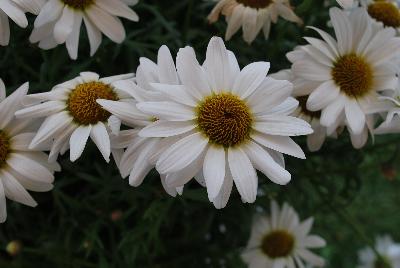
[[182, 153], [15, 191], [355, 116], [282, 125], [3, 205], [111, 26], [101, 138], [278, 143], [192, 74], [78, 140], [166, 110], [214, 170], [243, 174], [163, 129], [264, 162], [250, 78], [217, 65], [322, 96]]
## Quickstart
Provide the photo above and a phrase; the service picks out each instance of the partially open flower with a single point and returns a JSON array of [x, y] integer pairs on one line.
[[252, 15]]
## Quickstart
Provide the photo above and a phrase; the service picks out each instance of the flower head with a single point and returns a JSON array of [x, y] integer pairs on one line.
[[389, 254], [252, 15], [281, 240], [229, 123], [72, 114], [21, 168], [348, 73], [59, 21]]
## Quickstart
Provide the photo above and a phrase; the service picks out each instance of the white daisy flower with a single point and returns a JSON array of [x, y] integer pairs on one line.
[[349, 72], [21, 168], [142, 153], [72, 114], [15, 10], [59, 21], [232, 123], [389, 253], [281, 240], [252, 15]]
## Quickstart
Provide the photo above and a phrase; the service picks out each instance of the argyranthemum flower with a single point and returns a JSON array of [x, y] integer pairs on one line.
[[389, 254], [281, 240], [59, 21], [231, 122], [142, 153], [72, 114], [350, 71], [21, 168], [15, 10], [252, 15]]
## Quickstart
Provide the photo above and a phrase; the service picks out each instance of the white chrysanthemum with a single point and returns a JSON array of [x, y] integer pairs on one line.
[[15, 10], [59, 21], [141, 153], [281, 240], [389, 251], [349, 72], [232, 122], [72, 114], [252, 15], [21, 168]]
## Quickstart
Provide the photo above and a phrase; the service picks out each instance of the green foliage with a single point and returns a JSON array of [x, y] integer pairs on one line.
[[93, 218]]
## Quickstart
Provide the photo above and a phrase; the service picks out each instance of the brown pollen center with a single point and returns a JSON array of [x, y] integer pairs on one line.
[[82, 103], [225, 119], [78, 4], [255, 3], [385, 12], [4, 147], [277, 244], [353, 75]]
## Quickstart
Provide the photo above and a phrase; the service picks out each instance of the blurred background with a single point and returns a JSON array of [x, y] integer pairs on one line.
[[93, 218]]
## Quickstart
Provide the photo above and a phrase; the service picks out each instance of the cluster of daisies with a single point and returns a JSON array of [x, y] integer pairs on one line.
[[59, 21], [213, 122]]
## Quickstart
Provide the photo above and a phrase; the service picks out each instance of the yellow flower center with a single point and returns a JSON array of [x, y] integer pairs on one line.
[[82, 103], [353, 75], [303, 106], [255, 3], [225, 119], [4, 147], [385, 12], [277, 244], [78, 4]]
